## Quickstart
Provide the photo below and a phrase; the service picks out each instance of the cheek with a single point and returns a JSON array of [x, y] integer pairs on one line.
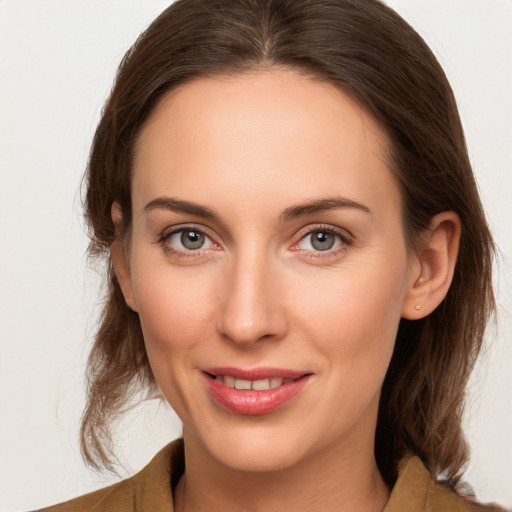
[[173, 308], [355, 314], [175, 315]]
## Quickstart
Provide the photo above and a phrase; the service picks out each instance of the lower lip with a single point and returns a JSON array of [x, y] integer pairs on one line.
[[253, 403]]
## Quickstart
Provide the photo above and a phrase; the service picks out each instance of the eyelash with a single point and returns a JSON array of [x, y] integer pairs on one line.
[[345, 240], [190, 253]]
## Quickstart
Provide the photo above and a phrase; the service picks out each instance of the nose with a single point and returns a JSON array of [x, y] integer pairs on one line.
[[251, 306]]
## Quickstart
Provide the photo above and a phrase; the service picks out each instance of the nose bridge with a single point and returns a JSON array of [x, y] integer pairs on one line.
[[251, 309]]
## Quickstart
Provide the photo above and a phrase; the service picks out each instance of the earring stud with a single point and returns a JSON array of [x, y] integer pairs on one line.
[[417, 308]]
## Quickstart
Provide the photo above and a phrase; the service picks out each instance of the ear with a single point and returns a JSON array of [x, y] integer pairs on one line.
[[120, 259], [431, 273]]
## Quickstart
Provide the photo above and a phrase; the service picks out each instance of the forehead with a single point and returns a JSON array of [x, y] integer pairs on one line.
[[274, 127]]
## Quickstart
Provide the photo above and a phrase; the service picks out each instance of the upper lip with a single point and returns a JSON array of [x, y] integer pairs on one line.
[[256, 373]]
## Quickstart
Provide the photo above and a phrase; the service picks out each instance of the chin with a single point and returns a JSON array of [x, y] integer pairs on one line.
[[253, 449], [254, 457]]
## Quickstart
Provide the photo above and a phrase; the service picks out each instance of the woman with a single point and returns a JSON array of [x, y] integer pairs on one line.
[[300, 262]]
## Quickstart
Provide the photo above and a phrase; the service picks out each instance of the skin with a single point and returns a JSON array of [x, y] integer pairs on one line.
[[259, 293]]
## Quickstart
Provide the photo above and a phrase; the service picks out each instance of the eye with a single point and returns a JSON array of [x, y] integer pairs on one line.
[[322, 240], [188, 240]]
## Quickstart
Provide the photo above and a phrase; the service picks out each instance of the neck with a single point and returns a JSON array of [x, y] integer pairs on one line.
[[334, 479]]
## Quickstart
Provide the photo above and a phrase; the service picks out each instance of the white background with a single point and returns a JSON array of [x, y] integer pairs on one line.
[[57, 62]]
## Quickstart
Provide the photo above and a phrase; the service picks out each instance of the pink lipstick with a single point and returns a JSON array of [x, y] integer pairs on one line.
[[253, 392]]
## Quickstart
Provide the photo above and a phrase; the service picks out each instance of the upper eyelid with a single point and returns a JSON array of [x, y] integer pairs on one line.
[[187, 226], [165, 235], [311, 228]]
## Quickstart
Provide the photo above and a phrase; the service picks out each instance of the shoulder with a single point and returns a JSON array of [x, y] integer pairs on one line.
[[149, 489], [117, 497], [446, 498], [415, 490]]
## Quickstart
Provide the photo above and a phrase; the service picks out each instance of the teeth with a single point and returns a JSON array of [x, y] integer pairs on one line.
[[275, 382], [229, 381], [242, 384], [261, 385], [257, 385]]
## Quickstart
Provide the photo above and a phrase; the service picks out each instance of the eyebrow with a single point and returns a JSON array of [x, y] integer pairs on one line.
[[181, 206], [300, 210], [322, 205]]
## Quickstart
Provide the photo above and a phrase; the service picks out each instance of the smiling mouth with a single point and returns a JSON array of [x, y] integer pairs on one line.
[[256, 385], [254, 392]]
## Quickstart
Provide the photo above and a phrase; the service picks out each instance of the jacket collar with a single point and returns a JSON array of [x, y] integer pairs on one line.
[[414, 489]]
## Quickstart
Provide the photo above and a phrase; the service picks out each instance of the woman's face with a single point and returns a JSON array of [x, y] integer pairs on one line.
[[268, 255]]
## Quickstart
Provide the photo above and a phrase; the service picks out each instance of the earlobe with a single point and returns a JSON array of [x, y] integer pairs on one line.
[[430, 278], [120, 261]]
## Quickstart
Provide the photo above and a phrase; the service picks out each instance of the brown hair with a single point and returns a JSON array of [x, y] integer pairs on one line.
[[368, 51]]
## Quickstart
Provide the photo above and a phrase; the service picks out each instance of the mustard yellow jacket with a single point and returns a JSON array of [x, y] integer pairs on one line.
[[150, 490]]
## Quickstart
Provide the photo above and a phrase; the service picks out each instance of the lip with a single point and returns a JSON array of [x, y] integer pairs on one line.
[[252, 402], [255, 373]]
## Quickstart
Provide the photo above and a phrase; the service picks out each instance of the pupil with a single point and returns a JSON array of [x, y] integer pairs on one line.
[[322, 241], [192, 239]]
